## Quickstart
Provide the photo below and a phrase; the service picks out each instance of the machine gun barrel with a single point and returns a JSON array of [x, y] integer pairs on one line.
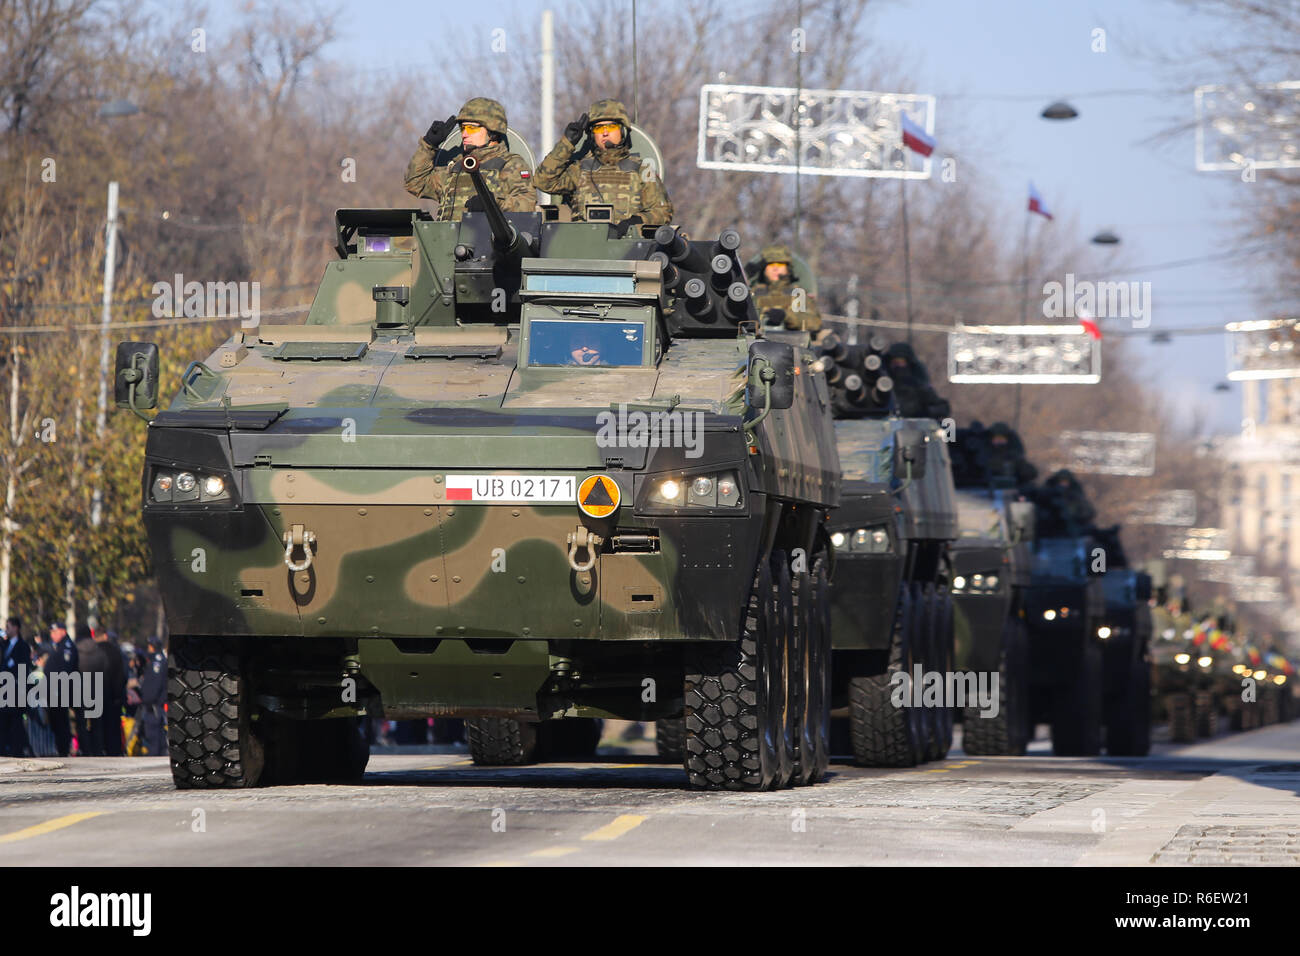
[[504, 236]]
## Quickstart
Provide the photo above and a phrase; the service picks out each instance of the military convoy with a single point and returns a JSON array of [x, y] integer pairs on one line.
[[520, 470], [539, 473]]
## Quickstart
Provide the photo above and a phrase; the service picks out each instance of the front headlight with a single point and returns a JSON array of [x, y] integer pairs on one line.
[[1204, 661], [864, 540], [1182, 658], [696, 491], [181, 487]]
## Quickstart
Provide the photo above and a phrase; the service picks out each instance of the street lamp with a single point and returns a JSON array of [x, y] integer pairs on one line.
[[112, 110], [1060, 110]]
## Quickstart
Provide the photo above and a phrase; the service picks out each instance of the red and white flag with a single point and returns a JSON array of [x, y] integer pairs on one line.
[[1036, 203], [914, 137]]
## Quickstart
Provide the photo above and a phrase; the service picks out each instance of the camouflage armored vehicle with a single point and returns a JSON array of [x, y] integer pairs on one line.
[[513, 469], [891, 611], [991, 562], [1064, 607]]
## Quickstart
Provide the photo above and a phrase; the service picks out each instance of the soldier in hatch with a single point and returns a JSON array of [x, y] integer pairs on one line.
[[779, 298], [1008, 466], [915, 395], [482, 135], [611, 174]]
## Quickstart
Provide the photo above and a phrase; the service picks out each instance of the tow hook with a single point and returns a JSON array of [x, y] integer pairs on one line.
[[582, 538], [298, 537]]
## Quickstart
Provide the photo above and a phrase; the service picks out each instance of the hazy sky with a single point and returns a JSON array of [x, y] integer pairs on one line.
[[993, 66]]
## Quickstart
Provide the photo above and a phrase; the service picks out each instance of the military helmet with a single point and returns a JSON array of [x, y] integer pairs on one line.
[[776, 254], [485, 112], [608, 110]]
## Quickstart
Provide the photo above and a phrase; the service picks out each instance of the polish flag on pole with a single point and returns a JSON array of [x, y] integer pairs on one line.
[[914, 137], [1036, 203]]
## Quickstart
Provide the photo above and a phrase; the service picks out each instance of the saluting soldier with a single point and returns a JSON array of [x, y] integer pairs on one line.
[[482, 135], [612, 174], [779, 298]]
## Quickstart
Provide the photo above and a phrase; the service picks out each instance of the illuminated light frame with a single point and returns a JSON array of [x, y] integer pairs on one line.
[[739, 115], [1055, 331]]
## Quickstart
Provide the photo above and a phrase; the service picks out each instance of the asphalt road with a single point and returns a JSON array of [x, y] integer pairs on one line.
[[1228, 800]]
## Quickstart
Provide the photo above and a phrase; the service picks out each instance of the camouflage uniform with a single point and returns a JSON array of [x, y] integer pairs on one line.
[[775, 300], [615, 176], [506, 174]]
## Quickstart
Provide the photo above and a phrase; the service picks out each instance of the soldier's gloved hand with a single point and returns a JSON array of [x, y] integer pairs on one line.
[[573, 132], [439, 130], [774, 317], [626, 225]]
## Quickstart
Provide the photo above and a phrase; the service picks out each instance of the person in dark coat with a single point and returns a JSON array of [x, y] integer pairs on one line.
[[93, 661], [151, 685], [16, 654], [114, 692], [60, 656]]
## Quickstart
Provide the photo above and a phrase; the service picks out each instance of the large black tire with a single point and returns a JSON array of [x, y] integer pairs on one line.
[[885, 735], [1007, 733], [1077, 706], [1182, 718], [812, 685], [785, 656], [734, 704], [1128, 727], [572, 738], [670, 738], [501, 741], [941, 660], [210, 732]]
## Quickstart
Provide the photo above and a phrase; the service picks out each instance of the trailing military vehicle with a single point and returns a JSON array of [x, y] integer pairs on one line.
[[1064, 606], [891, 610], [1191, 659], [518, 470], [1125, 632], [991, 566]]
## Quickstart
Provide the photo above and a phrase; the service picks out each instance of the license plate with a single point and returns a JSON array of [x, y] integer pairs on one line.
[[524, 489]]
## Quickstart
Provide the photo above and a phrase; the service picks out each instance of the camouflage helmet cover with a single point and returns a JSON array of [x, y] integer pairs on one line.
[[776, 254], [486, 112], [608, 110]]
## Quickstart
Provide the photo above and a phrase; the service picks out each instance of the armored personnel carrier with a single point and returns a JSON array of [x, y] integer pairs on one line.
[[1064, 607], [1125, 632], [891, 610], [991, 566], [524, 471]]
